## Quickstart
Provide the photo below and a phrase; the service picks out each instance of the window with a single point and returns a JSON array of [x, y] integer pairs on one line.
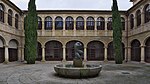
[[147, 13], [100, 23], [58, 23], [109, 24], [138, 17], [1, 13], [131, 21], [39, 23], [123, 23], [48, 23], [16, 21], [90, 23], [80, 23], [10, 13], [69, 23]]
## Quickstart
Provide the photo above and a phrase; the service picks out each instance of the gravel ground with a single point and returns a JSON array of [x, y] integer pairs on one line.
[[43, 73]]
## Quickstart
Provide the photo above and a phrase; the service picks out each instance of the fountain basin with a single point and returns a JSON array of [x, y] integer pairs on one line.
[[77, 72]]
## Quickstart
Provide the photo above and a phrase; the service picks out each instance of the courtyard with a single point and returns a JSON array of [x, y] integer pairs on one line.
[[43, 73]]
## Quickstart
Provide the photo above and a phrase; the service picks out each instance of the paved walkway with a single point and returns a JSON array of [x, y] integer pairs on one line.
[[43, 73]]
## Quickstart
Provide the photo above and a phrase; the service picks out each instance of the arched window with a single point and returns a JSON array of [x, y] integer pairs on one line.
[[10, 14], [1, 13], [58, 23], [39, 23], [16, 21], [90, 23], [131, 21], [123, 23], [138, 17], [109, 24], [53, 51], [69, 23], [80, 23], [147, 50], [100, 23], [147, 13], [95, 51], [135, 51], [48, 23]]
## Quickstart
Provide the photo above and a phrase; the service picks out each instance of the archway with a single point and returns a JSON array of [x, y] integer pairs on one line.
[[95, 51], [135, 51], [13, 51], [70, 50], [53, 51], [2, 57], [39, 52], [147, 50]]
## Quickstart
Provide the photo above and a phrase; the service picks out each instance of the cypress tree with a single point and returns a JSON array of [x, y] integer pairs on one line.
[[117, 33], [31, 24]]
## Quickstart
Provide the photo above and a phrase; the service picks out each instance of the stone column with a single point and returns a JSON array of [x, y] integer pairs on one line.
[[6, 54], [129, 53], [105, 54], [22, 56], [19, 53], [135, 22], [6, 18], [64, 28], [43, 25], [95, 27], [74, 30], [13, 21], [85, 29], [142, 18], [85, 53], [64, 53], [105, 23], [43, 53], [126, 54], [142, 53]]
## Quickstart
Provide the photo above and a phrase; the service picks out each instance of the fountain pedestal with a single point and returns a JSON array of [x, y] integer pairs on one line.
[[77, 63]]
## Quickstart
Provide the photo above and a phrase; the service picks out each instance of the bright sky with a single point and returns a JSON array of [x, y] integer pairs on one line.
[[73, 4]]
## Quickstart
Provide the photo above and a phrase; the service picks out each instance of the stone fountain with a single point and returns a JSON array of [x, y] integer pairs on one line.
[[78, 69]]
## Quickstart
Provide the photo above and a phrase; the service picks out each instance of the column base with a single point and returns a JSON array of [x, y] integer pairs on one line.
[[64, 60], [43, 60], [105, 60], [6, 62], [142, 61], [84, 60]]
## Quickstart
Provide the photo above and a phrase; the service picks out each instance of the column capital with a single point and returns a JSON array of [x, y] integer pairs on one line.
[[142, 46], [6, 46], [43, 46]]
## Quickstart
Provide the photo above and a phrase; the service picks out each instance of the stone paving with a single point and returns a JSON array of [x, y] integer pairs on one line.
[[43, 73]]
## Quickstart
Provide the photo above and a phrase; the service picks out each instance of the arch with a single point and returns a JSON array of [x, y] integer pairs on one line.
[[131, 21], [109, 24], [2, 56], [48, 23], [90, 23], [100, 23], [95, 51], [147, 13], [39, 23], [10, 16], [2, 10], [147, 50], [13, 50], [110, 51], [69, 23], [70, 50], [16, 20], [123, 23], [53, 51], [39, 52], [138, 17], [80, 23], [58, 23], [135, 50]]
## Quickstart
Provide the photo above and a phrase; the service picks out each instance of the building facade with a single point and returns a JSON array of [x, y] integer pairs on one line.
[[59, 30]]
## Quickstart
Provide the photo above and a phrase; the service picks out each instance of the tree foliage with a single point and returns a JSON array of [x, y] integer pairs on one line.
[[31, 24], [117, 33]]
